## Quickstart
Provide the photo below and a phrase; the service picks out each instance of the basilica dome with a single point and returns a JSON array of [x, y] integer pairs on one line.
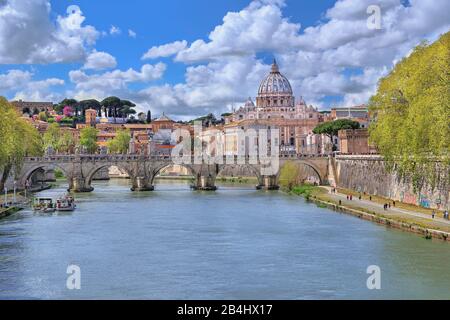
[[275, 83], [275, 91]]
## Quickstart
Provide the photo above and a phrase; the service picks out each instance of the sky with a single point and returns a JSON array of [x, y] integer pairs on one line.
[[190, 58]]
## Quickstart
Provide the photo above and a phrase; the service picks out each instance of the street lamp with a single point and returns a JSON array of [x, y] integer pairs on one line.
[[27, 185], [15, 182], [6, 197]]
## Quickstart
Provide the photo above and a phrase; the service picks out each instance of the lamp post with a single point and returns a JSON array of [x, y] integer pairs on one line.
[[15, 182]]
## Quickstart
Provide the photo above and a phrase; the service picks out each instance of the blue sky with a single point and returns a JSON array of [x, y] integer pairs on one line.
[[324, 47]]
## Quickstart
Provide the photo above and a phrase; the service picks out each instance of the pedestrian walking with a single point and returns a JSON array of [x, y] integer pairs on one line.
[[370, 198], [394, 204], [433, 214]]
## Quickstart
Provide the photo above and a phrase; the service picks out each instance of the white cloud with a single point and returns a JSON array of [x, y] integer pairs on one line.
[[166, 50], [22, 85], [100, 60], [131, 33], [214, 87], [41, 91], [27, 35], [116, 79], [114, 30], [259, 27], [13, 79]]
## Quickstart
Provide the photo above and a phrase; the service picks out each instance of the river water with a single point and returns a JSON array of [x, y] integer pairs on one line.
[[236, 243]]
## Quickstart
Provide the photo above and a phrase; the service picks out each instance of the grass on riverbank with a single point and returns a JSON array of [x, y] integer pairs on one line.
[[307, 191]]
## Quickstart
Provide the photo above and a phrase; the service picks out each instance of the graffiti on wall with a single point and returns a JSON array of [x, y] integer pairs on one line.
[[424, 201], [409, 198]]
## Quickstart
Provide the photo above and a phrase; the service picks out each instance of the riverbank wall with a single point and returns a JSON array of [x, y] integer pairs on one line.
[[427, 233], [6, 212], [368, 174]]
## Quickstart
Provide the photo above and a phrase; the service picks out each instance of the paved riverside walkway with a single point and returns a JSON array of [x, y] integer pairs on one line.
[[392, 212]]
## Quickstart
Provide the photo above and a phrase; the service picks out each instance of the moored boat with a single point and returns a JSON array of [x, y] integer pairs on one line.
[[44, 205], [66, 203]]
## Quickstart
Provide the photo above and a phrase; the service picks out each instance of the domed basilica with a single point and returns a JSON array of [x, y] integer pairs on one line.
[[276, 106]]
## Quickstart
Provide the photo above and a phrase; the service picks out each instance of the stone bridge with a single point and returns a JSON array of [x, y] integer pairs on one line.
[[80, 169]]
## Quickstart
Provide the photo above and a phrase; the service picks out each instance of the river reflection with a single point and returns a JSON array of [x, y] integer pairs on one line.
[[236, 243]]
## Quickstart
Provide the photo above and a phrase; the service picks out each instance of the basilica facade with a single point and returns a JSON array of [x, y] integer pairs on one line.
[[277, 107]]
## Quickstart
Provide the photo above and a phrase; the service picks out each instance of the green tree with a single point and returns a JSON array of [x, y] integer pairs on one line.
[[120, 144], [127, 108], [289, 175], [332, 128], [411, 110], [293, 175], [89, 104], [18, 138], [111, 106], [43, 116], [88, 139], [52, 137], [66, 102], [66, 143]]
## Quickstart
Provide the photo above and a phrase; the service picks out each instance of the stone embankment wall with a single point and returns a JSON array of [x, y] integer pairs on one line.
[[368, 174]]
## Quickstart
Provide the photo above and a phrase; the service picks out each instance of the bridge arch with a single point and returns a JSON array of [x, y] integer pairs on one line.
[[255, 170], [154, 171], [93, 171], [306, 163], [46, 167]]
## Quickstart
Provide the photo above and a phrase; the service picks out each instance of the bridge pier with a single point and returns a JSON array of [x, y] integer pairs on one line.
[[141, 184], [79, 185], [269, 183], [205, 183]]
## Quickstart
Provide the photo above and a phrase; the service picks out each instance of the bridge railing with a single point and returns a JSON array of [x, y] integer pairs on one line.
[[128, 157], [95, 157]]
